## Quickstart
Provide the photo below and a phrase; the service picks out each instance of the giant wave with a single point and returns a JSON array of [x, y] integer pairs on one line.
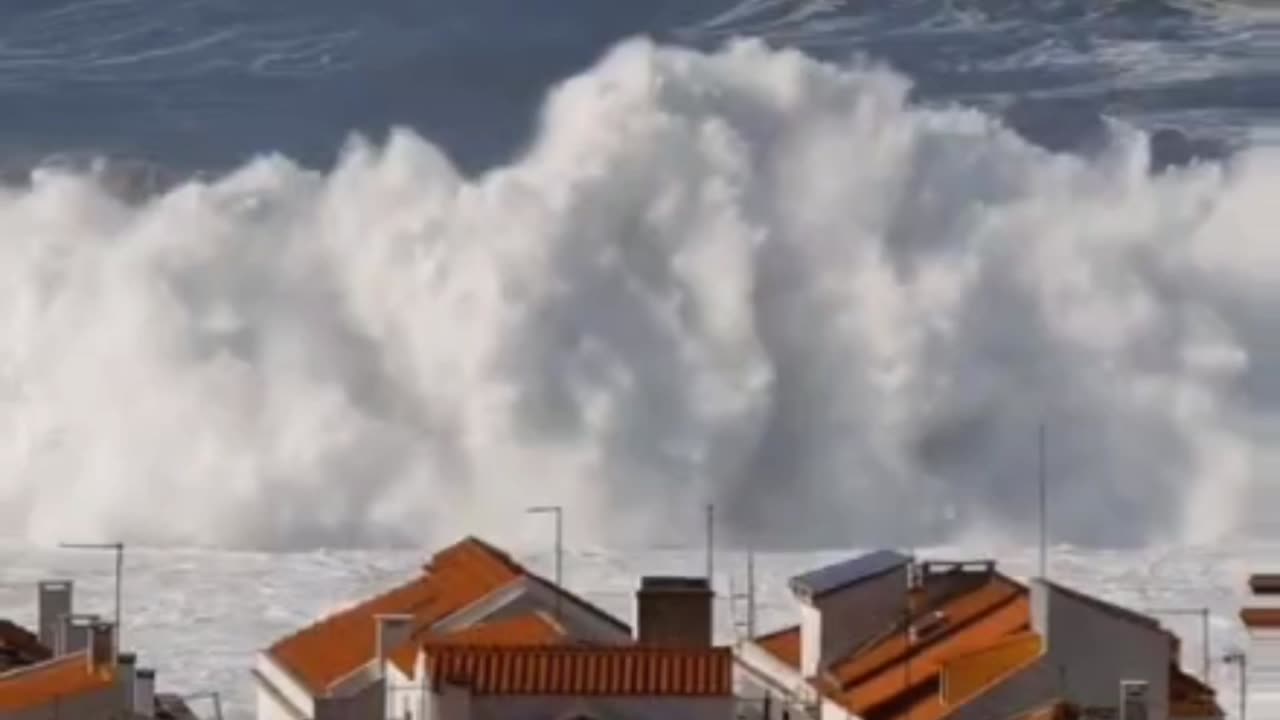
[[743, 277]]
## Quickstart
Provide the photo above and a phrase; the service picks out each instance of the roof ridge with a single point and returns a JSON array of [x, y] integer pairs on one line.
[[14, 673], [1105, 605]]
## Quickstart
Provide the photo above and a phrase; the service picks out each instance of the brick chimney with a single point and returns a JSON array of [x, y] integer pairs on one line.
[[53, 603], [674, 611], [144, 693], [102, 650]]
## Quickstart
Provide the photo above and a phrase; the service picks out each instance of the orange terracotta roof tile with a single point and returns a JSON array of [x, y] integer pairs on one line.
[[1260, 617], [42, 684], [959, 611], [1001, 614], [783, 644], [575, 670], [456, 577], [970, 674], [528, 630]]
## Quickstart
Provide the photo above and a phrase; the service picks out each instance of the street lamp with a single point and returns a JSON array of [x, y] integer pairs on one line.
[[1237, 657], [1203, 613], [118, 549], [558, 512]]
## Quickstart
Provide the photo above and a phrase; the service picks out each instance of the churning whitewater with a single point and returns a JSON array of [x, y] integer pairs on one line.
[[744, 277]]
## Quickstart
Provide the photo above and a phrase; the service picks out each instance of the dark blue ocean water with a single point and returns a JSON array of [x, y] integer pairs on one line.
[[190, 85]]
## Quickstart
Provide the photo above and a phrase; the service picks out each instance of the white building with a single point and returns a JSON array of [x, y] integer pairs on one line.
[[883, 637], [397, 655], [1262, 656]]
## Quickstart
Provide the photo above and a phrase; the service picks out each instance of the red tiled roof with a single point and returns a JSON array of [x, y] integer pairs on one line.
[[530, 629], [1189, 697], [1265, 584], [1261, 617], [783, 644], [38, 685], [19, 646], [567, 670], [456, 577]]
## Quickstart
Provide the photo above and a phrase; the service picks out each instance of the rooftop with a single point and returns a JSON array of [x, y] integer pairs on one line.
[[41, 684], [843, 574], [565, 670]]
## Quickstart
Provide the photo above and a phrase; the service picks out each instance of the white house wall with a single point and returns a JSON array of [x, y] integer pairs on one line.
[[757, 673], [1090, 650], [849, 617], [279, 696]]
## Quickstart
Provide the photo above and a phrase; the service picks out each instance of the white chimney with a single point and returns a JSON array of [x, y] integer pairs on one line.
[[144, 693], [101, 645], [73, 634], [127, 662], [53, 604], [392, 631]]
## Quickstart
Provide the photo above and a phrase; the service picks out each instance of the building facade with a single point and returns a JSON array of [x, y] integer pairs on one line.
[[883, 637]]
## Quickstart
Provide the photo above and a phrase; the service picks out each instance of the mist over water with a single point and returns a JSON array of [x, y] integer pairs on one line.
[[745, 277]]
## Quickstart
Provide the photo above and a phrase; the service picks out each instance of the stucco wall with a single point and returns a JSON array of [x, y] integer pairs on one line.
[[554, 707], [843, 620], [279, 696], [370, 702], [1092, 649]]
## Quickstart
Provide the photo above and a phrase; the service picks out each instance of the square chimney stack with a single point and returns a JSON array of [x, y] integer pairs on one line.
[[102, 645], [52, 605], [674, 612]]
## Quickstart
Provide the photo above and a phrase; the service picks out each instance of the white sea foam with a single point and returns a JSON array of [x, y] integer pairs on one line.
[[743, 277]]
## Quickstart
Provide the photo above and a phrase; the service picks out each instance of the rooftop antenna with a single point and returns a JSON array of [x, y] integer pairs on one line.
[[1044, 509], [751, 593]]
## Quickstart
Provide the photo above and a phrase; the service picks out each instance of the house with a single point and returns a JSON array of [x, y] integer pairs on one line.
[[883, 636], [1262, 621], [71, 668], [477, 635]]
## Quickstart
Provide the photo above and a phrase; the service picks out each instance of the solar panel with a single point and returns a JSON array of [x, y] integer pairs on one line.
[[842, 574]]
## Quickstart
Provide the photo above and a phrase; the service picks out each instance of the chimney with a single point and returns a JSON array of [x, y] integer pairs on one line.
[[674, 611], [101, 645], [53, 604], [392, 631], [144, 693], [74, 632], [127, 662]]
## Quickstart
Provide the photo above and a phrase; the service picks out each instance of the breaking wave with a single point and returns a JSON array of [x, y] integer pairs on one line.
[[743, 277]]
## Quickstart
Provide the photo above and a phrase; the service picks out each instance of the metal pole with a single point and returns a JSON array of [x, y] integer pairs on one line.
[[751, 594], [1044, 509]]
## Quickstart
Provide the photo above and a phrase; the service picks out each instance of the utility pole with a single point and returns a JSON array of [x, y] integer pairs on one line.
[[558, 513], [751, 594], [1044, 508], [1203, 614], [118, 549]]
